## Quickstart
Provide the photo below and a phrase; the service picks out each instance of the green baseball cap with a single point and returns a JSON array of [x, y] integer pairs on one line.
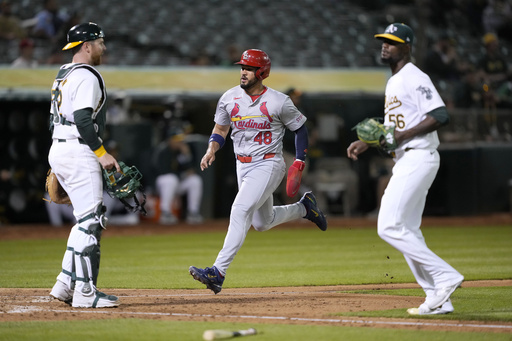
[[397, 32]]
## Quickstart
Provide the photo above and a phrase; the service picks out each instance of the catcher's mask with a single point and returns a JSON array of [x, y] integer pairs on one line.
[[125, 186], [259, 59]]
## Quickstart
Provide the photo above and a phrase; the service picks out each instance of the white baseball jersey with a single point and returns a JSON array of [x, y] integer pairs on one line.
[[78, 86], [258, 127], [410, 95]]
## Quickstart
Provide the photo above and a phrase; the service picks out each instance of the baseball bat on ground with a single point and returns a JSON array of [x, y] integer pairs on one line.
[[219, 334]]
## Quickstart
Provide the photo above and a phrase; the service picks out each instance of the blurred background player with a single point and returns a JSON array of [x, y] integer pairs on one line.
[[49, 21], [175, 177], [11, 27], [26, 58]]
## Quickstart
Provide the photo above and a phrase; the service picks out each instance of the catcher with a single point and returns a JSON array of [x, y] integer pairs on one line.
[[76, 157]]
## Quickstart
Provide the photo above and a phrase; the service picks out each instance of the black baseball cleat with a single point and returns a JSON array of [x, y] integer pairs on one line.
[[313, 213], [211, 277]]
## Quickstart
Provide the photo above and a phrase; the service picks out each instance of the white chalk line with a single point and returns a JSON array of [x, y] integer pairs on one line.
[[47, 298], [25, 309]]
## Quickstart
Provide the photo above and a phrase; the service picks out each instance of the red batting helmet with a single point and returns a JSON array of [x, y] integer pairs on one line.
[[259, 59]]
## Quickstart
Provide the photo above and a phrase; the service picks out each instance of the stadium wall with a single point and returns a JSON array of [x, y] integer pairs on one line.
[[473, 178]]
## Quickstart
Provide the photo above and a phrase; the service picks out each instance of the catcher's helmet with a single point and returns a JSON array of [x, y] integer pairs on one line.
[[83, 32], [259, 59]]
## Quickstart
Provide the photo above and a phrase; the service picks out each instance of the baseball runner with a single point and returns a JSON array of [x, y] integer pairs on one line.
[[258, 117], [415, 110], [78, 115]]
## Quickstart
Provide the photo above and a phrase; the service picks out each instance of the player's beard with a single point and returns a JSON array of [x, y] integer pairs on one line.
[[386, 57], [392, 57], [249, 84], [96, 60], [97, 54], [385, 60]]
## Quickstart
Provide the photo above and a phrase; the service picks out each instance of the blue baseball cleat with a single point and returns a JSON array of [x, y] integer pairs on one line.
[[313, 213], [211, 277]]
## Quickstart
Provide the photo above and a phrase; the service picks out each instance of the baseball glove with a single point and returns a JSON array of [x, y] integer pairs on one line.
[[57, 194], [375, 134], [124, 186]]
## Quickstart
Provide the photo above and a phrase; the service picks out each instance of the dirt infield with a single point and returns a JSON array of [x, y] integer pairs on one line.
[[289, 305]]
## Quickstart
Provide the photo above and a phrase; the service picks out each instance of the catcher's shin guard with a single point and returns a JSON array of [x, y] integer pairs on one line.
[[88, 261], [83, 266], [93, 255], [88, 266], [68, 273]]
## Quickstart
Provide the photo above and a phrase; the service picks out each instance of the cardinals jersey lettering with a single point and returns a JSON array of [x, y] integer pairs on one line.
[[258, 127]]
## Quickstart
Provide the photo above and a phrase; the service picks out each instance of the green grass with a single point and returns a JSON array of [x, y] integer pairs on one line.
[[137, 329], [280, 257], [286, 257], [492, 304]]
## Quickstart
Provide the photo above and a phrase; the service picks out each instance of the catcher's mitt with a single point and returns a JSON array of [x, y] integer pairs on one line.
[[57, 194], [125, 186], [375, 134]]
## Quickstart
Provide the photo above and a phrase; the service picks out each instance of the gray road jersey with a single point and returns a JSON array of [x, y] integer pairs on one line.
[[258, 127]]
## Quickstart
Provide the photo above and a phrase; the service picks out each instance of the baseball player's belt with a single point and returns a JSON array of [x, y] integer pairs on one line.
[[248, 159], [394, 153], [79, 140]]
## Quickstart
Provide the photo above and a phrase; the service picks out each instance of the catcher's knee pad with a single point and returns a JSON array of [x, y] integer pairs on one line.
[[93, 229], [98, 216]]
